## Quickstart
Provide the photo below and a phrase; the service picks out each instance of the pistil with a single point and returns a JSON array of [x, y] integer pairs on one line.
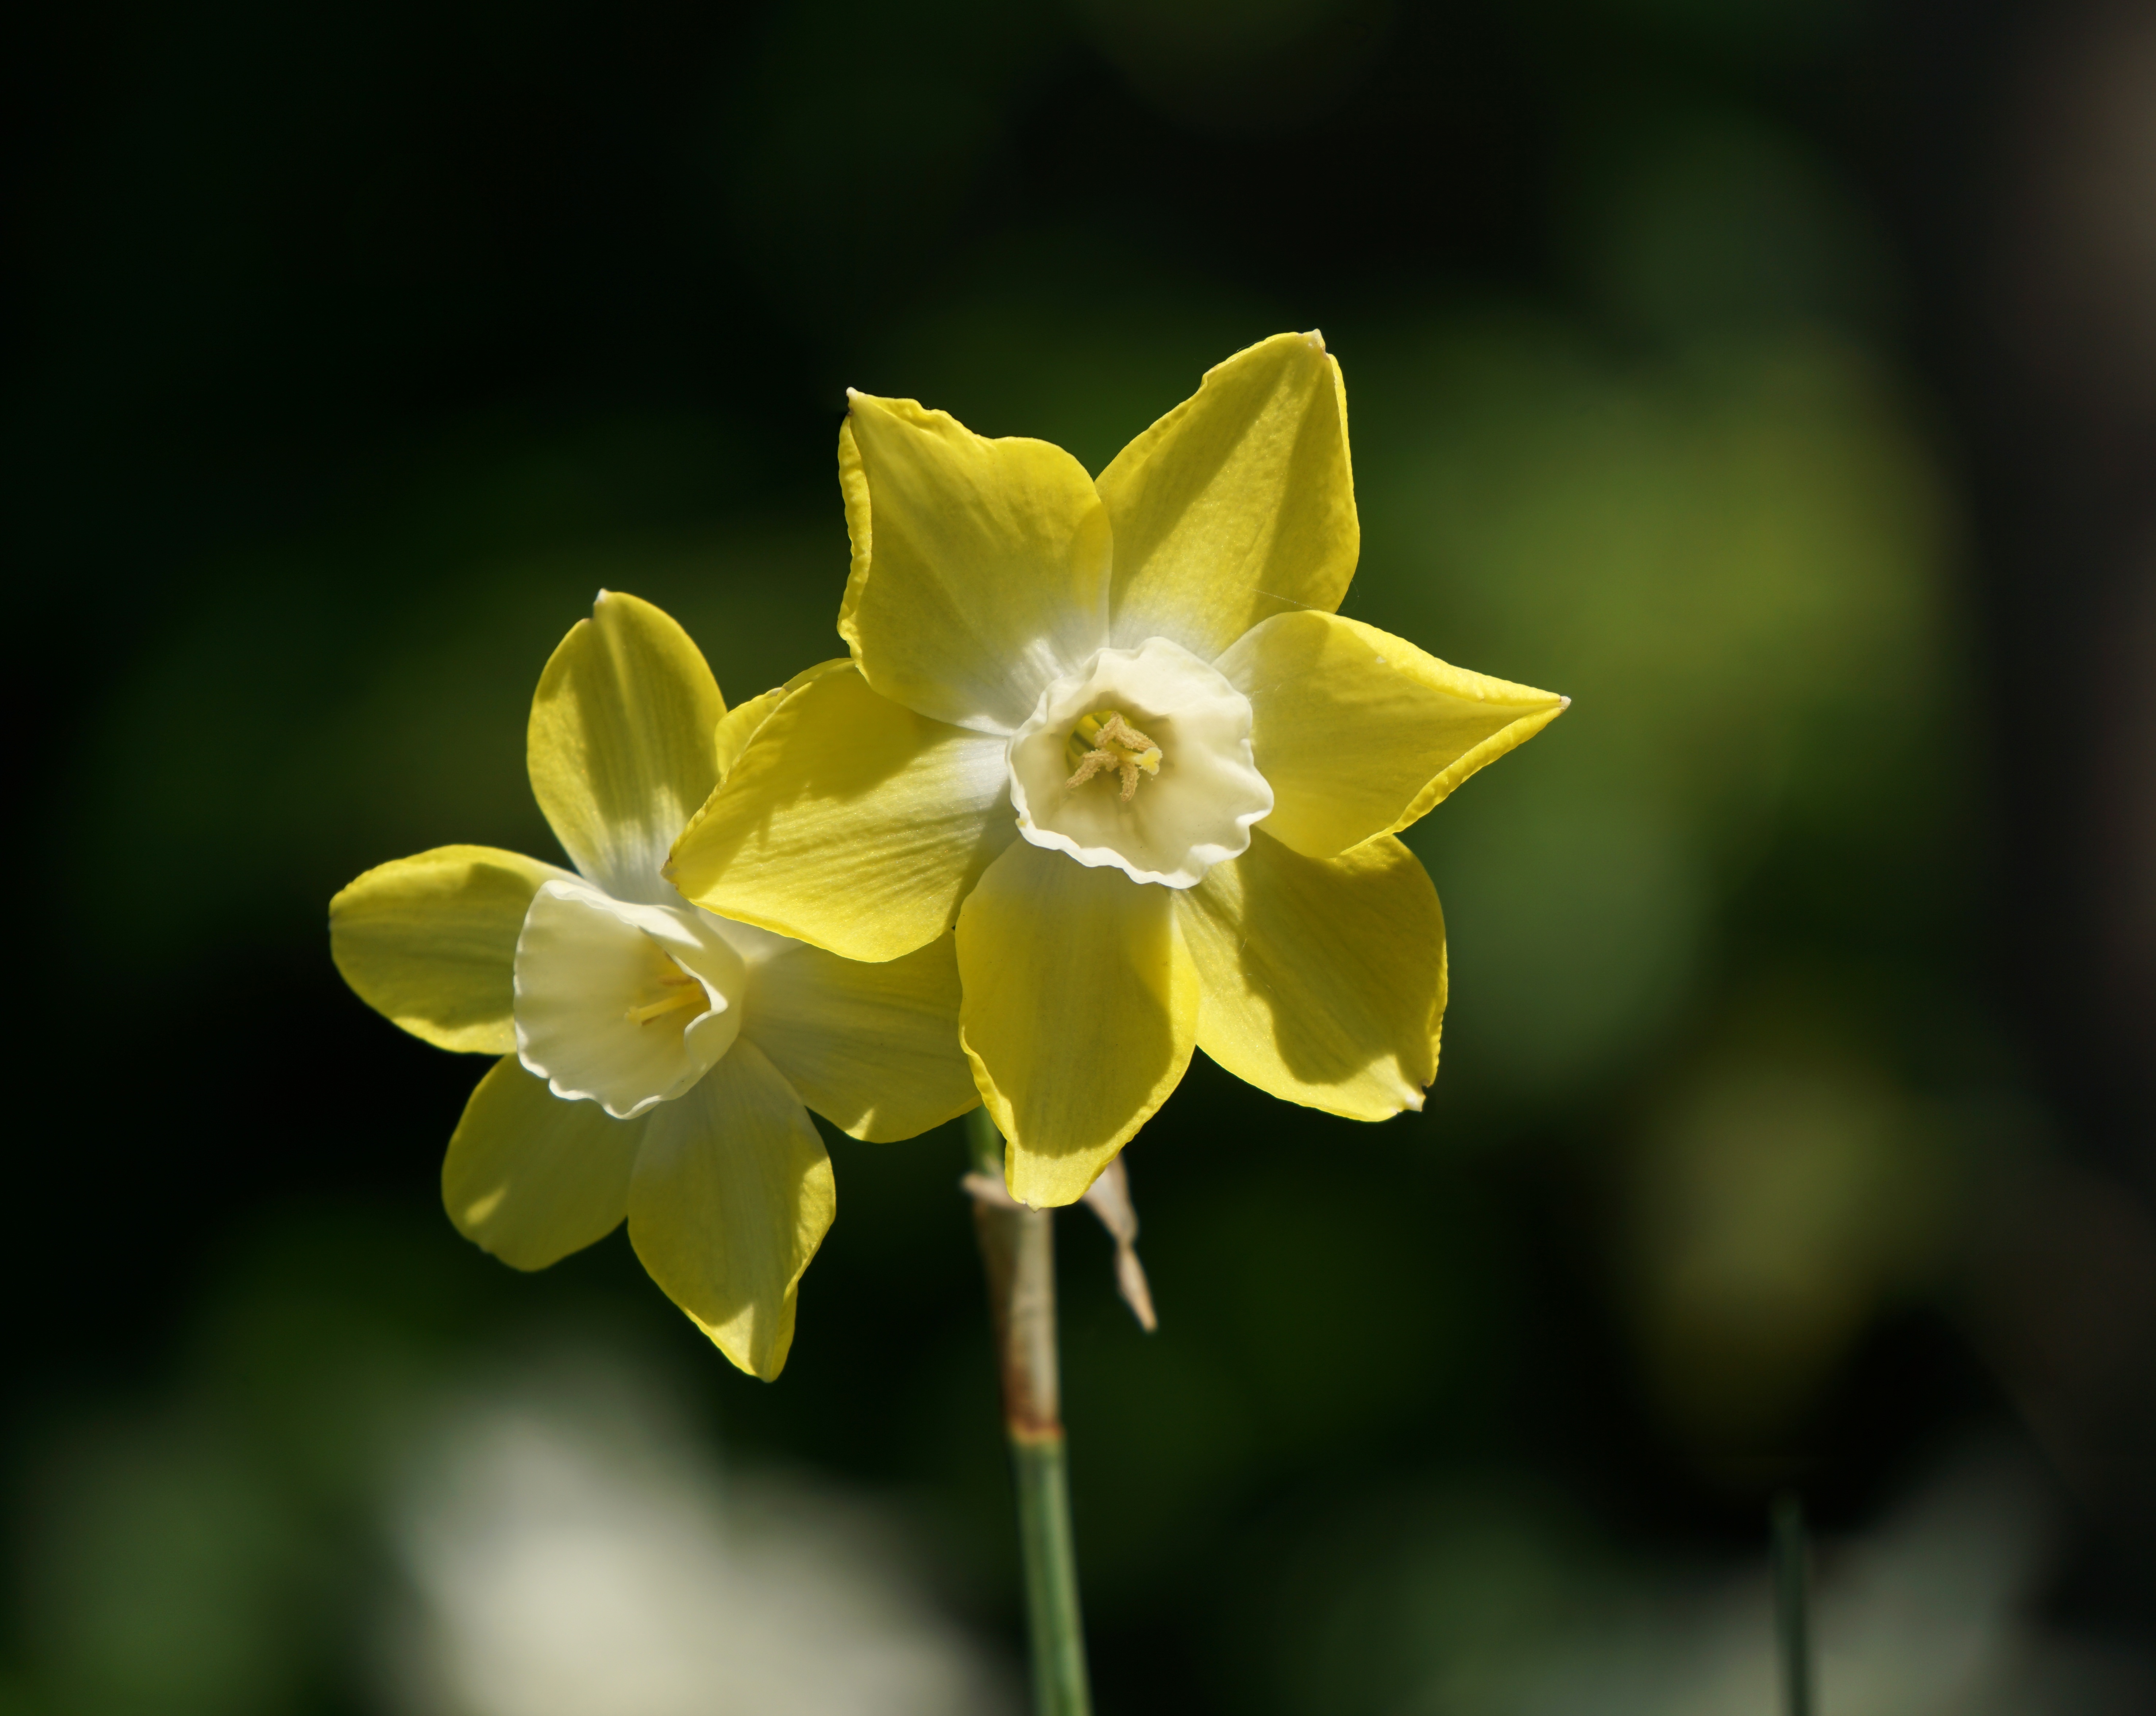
[[1105, 741]]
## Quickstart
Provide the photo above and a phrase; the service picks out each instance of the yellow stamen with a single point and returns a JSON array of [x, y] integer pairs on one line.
[[1104, 740], [687, 993]]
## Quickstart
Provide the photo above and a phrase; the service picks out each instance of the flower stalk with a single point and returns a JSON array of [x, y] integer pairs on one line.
[[1017, 1251], [1792, 1604]]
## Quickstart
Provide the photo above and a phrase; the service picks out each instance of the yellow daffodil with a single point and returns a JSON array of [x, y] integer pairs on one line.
[[1115, 730], [654, 1058]]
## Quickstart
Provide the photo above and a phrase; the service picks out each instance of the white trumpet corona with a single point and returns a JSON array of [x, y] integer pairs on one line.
[[1140, 760], [625, 1006]]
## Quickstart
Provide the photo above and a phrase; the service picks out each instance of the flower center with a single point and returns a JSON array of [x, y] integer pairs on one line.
[[1104, 741], [1155, 716]]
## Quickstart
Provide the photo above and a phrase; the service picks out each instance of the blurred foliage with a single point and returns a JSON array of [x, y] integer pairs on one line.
[[1785, 1190], [1494, 1596], [1730, 562]]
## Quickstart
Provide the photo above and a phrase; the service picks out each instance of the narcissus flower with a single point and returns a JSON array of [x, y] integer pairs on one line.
[[1115, 730], [654, 1058]]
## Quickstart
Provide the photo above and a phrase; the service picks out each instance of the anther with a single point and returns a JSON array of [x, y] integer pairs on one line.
[[1115, 744]]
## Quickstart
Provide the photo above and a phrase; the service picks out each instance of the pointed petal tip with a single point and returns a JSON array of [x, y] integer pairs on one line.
[[1314, 339], [1564, 703]]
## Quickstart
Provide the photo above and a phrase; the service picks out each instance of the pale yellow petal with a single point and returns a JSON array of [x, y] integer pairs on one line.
[[850, 822], [731, 1196], [874, 1049], [1359, 733], [739, 724], [1322, 980], [531, 1177], [1238, 504], [1079, 1013], [622, 745], [430, 942], [980, 567]]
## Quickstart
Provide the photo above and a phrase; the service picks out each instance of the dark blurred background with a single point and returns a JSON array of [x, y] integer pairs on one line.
[[1776, 377]]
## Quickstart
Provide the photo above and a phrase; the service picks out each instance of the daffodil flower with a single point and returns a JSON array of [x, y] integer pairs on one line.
[[1115, 731], [654, 1058]]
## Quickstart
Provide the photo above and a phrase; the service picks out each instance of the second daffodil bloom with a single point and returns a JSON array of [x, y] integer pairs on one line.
[[655, 1059], [1116, 731]]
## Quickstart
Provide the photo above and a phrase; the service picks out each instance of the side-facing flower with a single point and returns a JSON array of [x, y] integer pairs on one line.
[[1115, 730], [654, 1058]]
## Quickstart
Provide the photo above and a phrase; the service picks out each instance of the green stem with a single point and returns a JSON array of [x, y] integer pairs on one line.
[[1018, 1249], [1051, 1578], [1792, 1604]]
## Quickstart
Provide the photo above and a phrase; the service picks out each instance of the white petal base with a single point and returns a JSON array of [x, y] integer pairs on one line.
[[1195, 811]]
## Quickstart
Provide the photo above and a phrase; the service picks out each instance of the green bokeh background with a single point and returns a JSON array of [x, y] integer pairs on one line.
[[368, 343]]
